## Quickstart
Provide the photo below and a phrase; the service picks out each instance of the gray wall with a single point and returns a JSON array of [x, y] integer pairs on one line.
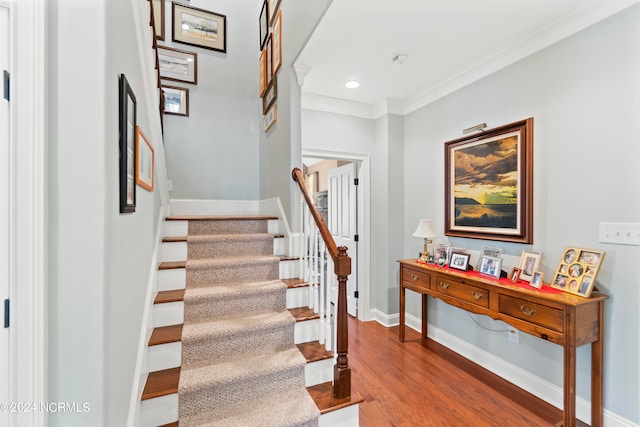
[[214, 153], [99, 259], [583, 95]]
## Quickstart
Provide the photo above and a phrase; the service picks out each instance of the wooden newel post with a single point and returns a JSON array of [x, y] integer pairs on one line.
[[341, 370]]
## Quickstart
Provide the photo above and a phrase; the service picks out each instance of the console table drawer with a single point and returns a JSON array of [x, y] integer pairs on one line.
[[415, 277], [539, 314], [463, 291]]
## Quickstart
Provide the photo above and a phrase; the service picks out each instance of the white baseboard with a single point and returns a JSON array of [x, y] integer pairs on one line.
[[537, 386]]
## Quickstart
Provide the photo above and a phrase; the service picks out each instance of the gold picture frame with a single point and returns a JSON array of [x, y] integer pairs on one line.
[[145, 168], [577, 271]]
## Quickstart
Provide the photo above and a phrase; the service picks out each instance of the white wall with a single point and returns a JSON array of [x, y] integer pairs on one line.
[[99, 259], [214, 153], [583, 94]]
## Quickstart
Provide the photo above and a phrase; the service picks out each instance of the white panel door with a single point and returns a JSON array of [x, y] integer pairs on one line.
[[4, 211], [342, 195]]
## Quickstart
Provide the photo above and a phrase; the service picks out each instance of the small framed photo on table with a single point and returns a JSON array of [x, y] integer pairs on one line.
[[536, 282], [459, 261], [515, 274], [491, 266]]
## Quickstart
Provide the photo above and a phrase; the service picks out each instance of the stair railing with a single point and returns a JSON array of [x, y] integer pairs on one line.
[[317, 245]]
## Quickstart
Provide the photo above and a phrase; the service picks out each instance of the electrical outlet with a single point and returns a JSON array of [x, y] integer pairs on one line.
[[513, 335]]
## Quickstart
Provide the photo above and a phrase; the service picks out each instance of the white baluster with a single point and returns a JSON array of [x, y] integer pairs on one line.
[[301, 240], [329, 331], [323, 290]]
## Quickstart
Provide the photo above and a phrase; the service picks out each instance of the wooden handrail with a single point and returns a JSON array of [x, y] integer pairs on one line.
[[342, 269]]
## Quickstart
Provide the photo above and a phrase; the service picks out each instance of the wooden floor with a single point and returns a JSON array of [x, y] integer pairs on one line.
[[421, 383]]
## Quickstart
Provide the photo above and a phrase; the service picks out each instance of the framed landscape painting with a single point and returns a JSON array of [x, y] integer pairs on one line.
[[198, 27], [489, 184]]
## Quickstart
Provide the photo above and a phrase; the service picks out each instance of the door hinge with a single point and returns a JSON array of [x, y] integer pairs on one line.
[[356, 181], [6, 313], [356, 237], [356, 294], [6, 85]]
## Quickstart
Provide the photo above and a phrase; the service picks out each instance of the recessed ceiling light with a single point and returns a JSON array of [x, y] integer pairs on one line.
[[352, 84]]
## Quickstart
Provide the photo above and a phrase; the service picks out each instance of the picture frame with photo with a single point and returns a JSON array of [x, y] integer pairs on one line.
[[529, 263], [490, 266], [270, 95], [459, 261], [441, 254], [515, 274], [491, 251], [536, 281], [577, 271], [157, 7], [145, 168], [198, 27], [270, 118], [178, 65], [276, 43], [127, 146], [264, 24], [176, 100]]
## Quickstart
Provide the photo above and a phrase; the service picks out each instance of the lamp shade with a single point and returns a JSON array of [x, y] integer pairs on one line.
[[424, 230]]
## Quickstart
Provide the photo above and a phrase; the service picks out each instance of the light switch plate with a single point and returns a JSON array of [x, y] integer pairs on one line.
[[619, 233]]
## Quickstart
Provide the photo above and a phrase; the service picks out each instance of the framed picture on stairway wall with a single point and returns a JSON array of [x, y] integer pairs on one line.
[[178, 65], [157, 6], [145, 163], [127, 119], [176, 100], [198, 27]]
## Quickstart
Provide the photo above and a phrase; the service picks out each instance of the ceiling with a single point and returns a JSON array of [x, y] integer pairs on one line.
[[448, 44]]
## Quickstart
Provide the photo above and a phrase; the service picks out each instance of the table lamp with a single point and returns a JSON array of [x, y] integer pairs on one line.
[[425, 231]]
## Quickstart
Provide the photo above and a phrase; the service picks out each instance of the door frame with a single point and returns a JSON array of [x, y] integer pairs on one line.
[[28, 216], [363, 259]]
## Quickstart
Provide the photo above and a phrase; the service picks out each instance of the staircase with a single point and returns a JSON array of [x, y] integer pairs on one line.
[[238, 276]]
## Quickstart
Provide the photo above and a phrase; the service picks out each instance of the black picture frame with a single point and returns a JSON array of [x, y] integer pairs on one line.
[[127, 146], [459, 261], [270, 95], [499, 164], [198, 27], [264, 24]]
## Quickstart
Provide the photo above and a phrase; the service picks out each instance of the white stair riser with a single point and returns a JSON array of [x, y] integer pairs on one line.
[[298, 297], [164, 356], [164, 410], [169, 313], [306, 331], [173, 279], [272, 226], [159, 411], [176, 228], [345, 417], [289, 269], [174, 251], [318, 372], [278, 246]]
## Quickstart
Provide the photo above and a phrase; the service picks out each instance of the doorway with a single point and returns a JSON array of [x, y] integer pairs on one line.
[[351, 206]]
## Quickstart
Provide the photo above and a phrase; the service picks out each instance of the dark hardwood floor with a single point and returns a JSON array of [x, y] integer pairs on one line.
[[421, 383]]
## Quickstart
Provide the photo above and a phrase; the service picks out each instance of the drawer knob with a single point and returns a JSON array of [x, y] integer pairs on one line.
[[476, 295], [444, 285], [527, 311], [415, 277]]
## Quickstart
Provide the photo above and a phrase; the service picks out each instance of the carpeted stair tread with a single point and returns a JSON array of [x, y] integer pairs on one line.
[[234, 338], [291, 408], [229, 245], [208, 272], [234, 299], [220, 217], [214, 387]]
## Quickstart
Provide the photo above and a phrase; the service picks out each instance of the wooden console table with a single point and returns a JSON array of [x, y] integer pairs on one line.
[[562, 318]]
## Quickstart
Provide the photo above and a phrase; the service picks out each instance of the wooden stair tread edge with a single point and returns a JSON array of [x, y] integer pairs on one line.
[[176, 295], [173, 424], [322, 395], [166, 335], [219, 217], [302, 314], [174, 239], [295, 283], [161, 383], [172, 265], [313, 351]]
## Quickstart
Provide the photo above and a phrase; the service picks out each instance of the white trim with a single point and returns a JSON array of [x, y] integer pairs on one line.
[[537, 386], [141, 370], [29, 213], [364, 222]]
